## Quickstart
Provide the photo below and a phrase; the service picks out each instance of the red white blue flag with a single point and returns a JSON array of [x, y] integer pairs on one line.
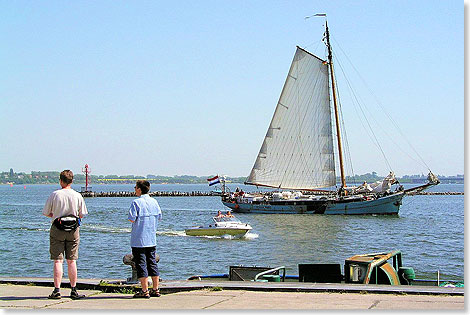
[[213, 180]]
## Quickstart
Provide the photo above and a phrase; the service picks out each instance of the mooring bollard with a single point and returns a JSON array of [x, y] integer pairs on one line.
[[129, 260]]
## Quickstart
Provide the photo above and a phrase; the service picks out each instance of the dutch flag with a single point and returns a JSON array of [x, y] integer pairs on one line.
[[213, 180]]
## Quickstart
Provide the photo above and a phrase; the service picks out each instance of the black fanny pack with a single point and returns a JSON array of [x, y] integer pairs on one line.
[[67, 223]]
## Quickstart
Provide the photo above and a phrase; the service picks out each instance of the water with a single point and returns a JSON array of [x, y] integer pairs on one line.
[[429, 231]]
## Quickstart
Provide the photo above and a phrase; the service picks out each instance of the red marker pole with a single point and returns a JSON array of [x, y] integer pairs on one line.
[[86, 170]]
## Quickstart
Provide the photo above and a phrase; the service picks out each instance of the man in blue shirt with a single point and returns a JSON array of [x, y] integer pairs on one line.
[[144, 214]]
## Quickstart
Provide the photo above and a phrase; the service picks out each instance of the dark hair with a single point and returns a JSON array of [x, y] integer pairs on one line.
[[66, 176], [143, 185]]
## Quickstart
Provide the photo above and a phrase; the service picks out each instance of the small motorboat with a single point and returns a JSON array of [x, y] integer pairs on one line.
[[220, 225]]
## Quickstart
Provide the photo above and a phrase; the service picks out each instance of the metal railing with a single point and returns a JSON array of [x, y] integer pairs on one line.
[[271, 271]]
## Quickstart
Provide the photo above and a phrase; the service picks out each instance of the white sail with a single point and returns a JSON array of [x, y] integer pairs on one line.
[[297, 151]]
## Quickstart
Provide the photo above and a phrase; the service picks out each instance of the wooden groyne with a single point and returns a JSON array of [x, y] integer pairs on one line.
[[214, 193], [153, 194]]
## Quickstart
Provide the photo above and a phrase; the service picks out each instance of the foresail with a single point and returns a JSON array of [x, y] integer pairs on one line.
[[297, 151]]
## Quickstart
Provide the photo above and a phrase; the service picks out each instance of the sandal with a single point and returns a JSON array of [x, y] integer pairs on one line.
[[142, 295], [155, 292], [54, 296]]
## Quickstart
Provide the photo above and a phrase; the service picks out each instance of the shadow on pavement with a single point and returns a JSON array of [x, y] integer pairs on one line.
[[93, 297]]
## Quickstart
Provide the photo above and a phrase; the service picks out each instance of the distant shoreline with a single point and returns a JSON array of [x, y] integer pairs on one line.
[[52, 177], [100, 184]]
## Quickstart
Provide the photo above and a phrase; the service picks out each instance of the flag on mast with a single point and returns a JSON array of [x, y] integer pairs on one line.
[[213, 180]]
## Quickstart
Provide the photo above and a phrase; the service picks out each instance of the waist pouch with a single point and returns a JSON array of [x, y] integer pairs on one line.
[[67, 223]]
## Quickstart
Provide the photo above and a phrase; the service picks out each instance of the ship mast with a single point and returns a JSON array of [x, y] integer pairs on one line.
[[335, 103]]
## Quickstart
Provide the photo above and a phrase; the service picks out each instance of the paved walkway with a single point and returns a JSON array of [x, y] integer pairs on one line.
[[14, 296]]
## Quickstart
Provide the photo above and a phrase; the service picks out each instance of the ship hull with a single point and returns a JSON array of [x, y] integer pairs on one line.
[[384, 205]]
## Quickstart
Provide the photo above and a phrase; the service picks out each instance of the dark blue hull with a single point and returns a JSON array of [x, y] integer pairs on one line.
[[384, 205]]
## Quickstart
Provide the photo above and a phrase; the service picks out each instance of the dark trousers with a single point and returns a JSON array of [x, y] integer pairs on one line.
[[145, 263]]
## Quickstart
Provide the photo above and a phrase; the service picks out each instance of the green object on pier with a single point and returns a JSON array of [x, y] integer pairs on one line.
[[408, 273], [272, 278]]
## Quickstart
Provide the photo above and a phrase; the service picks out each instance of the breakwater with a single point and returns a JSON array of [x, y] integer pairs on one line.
[[437, 193], [153, 194], [212, 193]]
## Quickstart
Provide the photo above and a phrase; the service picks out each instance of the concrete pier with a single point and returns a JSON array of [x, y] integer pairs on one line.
[[31, 293]]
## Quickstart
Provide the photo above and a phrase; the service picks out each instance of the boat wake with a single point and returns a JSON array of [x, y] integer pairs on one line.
[[247, 236], [26, 228], [250, 236], [104, 229], [171, 233]]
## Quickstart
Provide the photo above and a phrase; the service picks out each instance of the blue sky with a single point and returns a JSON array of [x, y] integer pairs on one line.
[[189, 87]]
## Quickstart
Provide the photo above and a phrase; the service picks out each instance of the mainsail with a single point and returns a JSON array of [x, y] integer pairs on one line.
[[297, 151]]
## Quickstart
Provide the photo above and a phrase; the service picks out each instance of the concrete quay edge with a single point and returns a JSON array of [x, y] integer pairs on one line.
[[173, 286]]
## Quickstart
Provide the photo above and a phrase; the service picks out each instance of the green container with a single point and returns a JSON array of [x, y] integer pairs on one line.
[[272, 278], [408, 273]]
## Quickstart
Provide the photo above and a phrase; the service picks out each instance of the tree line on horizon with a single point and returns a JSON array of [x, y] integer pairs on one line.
[[52, 177]]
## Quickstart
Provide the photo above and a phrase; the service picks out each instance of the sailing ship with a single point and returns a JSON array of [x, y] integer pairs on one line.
[[297, 153]]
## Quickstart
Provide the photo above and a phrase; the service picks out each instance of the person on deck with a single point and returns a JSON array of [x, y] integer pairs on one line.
[[144, 214], [66, 207]]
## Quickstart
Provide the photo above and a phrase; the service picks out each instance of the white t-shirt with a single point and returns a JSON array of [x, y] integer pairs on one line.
[[64, 202]]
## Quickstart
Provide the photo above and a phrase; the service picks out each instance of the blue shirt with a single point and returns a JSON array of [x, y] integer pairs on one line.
[[145, 212]]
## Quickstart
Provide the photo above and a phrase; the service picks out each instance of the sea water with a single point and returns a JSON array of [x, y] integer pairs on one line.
[[429, 231]]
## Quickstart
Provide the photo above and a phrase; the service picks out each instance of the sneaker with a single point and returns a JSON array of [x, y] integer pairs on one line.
[[142, 295], [54, 296], [75, 296], [155, 293]]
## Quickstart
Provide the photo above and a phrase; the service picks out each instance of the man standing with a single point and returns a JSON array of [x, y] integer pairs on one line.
[[65, 206], [144, 214]]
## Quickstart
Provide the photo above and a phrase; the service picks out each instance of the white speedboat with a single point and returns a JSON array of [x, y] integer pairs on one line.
[[220, 225]]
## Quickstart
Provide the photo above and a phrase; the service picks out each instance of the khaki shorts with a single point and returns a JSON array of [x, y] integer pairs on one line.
[[61, 241]]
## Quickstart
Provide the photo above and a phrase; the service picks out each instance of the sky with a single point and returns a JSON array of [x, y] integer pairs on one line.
[[189, 87]]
